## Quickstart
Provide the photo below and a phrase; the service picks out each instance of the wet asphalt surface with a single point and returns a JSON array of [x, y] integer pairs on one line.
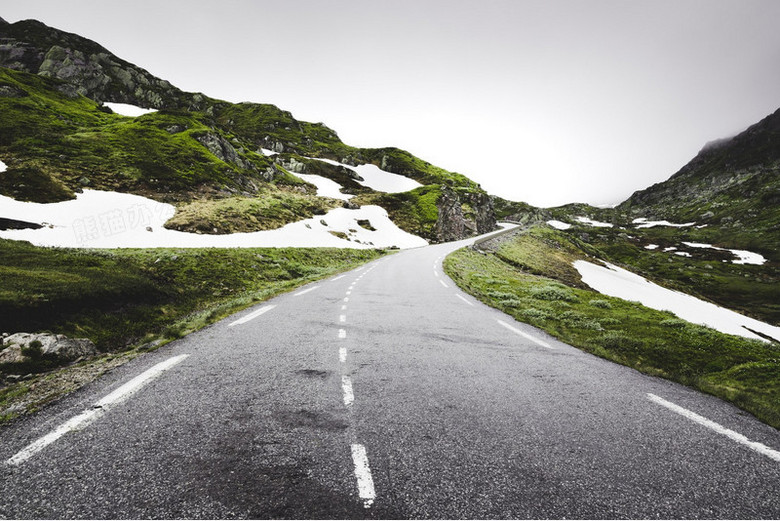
[[460, 418]]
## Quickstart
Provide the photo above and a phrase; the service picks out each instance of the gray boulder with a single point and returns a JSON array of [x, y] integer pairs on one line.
[[20, 346]]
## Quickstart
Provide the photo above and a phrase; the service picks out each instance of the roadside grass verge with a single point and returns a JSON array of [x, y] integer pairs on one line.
[[131, 300], [742, 371]]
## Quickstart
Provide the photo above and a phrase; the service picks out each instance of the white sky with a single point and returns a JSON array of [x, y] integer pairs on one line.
[[544, 101]]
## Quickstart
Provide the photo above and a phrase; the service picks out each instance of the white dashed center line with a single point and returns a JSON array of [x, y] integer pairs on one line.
[[100, 408], [251, 316], [305, 291], [342, 333], [342, 354], [346, 387], [342, 318], [525, 335], [720, 429], [365, 482], [339, 277], [443, 283]]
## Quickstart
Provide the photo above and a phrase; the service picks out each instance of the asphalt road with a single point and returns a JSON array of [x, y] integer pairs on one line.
[[385, 393]]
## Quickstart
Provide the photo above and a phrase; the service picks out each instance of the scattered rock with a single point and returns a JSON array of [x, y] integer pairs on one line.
[[349, 205], [21, 347]]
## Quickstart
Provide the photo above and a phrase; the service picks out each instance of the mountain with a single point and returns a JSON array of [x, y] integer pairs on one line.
[[732, 184], [57, 137]]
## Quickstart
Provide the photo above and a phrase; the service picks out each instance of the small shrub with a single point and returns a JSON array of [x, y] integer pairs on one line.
[[33, 350], [600, 303], [619, 341], [553, 293], [675, 323], [535, 314]]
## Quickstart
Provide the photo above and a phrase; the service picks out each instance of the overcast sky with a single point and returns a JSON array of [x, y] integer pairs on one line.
[[546, 101]]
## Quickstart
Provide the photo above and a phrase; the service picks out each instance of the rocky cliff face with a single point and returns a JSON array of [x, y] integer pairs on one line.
[[463, 215], [92, 70]]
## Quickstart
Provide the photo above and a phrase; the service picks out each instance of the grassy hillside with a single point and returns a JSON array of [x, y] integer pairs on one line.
[[532, 279], [122, 299]]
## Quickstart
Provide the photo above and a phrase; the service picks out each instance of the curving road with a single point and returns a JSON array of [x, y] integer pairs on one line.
[[385, 392]]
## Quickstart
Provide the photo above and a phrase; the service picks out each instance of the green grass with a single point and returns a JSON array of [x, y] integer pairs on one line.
[[119, 298], [414, 211], [268, 210], [742, 371]]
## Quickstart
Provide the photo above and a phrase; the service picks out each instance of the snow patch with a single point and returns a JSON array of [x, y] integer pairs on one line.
[[125, 109], [617, 282], [591, 222], [559, 225], [97, 219], [267, 152], [377, 179], [651, 247], [644, 223], [683, 254], [3, 167], [743, 256], [325, 187]]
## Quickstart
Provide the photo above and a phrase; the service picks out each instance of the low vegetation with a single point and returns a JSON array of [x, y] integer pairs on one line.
[[129, 299], [268, 210], [546, 295]]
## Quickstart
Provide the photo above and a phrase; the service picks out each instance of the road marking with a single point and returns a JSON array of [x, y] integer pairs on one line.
[[101, 407], [342, 333], [365, 482], [343, 307], [342, 355], [443, 283], [464, 299], [346, 387], [339, 277], [436, 273], [305, 291], [720, 429], [526, 335], [346, 299], [342, 318], [250, 316]]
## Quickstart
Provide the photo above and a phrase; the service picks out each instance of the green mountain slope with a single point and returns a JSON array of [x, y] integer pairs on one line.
[[56, 139]]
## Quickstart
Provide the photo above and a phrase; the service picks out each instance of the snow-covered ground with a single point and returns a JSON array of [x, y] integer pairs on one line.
[[325, 187], [97, 219], [644, 223], [2, 167], [617, 282], [125, 109], [377, 179], [591, 222], [559, 224], [743, 256]]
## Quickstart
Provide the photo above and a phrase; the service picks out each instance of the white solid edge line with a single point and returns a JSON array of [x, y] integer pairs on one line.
[[346, 387], [720, 429], [365, 482], [443, 283], [526, 335], [82, 420], [305, 291], [464, 299], [251, 316]]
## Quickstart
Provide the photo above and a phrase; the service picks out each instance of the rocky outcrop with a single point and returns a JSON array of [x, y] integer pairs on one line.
[[26, 347], [88, 68], [463, 215]]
